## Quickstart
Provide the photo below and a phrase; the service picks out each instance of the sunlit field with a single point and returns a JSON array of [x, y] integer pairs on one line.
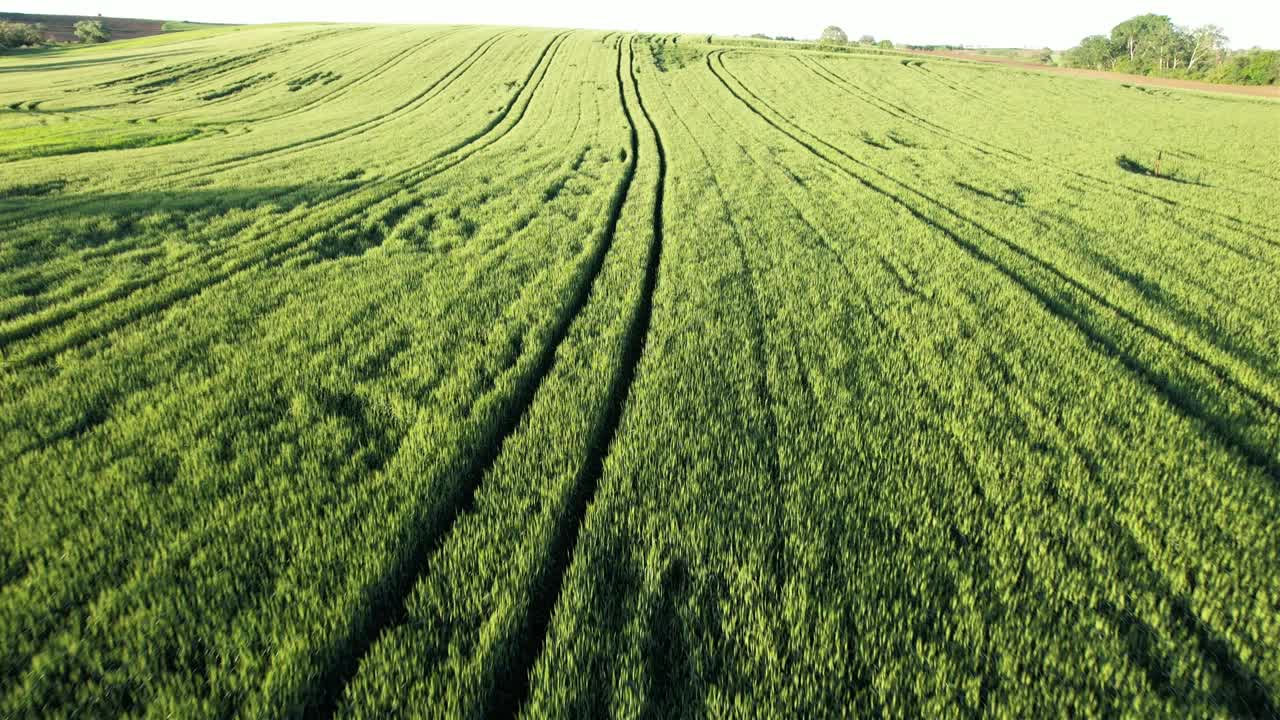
[[379, 371]]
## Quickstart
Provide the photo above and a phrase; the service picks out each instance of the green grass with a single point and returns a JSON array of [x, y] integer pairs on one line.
[[380, 371]]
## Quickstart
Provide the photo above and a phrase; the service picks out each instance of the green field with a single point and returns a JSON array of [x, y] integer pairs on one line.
[[378, 371]]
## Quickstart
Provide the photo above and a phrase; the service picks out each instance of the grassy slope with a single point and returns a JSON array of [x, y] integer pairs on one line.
[[461, 371]]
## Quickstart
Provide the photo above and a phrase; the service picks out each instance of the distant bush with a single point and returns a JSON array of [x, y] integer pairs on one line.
[[92, 31], [16, 35], [770, 38], [671, 56], [1251, 67]]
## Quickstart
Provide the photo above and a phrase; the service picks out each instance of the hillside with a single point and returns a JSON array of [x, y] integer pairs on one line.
[[404, 371], [61, 28]]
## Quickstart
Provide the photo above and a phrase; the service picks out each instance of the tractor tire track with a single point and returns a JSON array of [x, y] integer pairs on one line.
[[346, 133], [404, 180], [472, 147], [1222, 373], [384, 226], [170, 78], [373, 74], [1226, 347], [270, 255], [1057, 431], [274, 84], [1108, 348], [192, 540], [760, 349], [987, 148], [1188, 406], [357, 188], [822, 243], [225, 505], [252, 158], [421, 100], [390, 608], [1230, 669], [207, 84], [23, 216], [477, 142], [265, 51], [963, 92], [514, 685]]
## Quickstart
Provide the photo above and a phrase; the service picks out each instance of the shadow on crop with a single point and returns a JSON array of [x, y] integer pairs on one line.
[[1131, 165], [671, 662], [1008, 196]]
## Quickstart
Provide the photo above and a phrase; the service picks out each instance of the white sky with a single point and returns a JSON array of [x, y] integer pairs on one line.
[[992, 23]]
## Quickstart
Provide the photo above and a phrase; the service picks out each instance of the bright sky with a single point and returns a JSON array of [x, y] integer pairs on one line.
[[992, 23]]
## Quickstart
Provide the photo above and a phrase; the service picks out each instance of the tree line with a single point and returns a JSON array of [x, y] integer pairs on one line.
[[831, 36], [1153, 45]]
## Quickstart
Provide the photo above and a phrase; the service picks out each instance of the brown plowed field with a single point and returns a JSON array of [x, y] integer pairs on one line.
[[62, 27]]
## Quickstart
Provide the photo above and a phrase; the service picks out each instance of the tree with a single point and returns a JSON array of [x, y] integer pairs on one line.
[[834, 35], [1094, 52], [1144, 40], [866, 40], [886, 44], [16, 35], [1151, 44], [92, 31], [1046, 56], [1262, 68], [1169, 45], [1208, 41]]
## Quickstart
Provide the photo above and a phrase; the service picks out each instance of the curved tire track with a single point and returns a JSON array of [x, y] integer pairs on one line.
[[214, 168], [514, 686], [326, 689], [987, 148], [1055, 308], [1186, 406], [275, 253], [389, 608], [364, 126]]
